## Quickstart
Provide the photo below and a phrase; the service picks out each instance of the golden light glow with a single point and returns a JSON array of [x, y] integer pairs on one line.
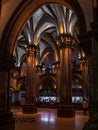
[[79, 86], [36, 42], [54, 86], [83, 54], [36, 63], [40, 87], [61, 29], [57, 58]]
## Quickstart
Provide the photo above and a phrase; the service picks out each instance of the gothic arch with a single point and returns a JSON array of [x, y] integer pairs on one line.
[[49, 78], [23, 13]]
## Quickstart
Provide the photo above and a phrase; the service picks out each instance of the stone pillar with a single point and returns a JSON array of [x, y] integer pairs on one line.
[[92, 123], [89, 43], [38, 74], [65, 76], [95, 10], [0, 8], [65, 45], [57, 71], [30, 106], [85, 79], [6, 117]]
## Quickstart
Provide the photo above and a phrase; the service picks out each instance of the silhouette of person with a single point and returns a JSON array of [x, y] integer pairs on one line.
[[85, 107]]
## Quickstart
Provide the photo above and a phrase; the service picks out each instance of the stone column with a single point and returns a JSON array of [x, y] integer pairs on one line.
[[89, 43], [30, 106], [95, 10], [38, 74], [57, 71], [65, 76], [93, 95], [65, 45], [85, 79], [92, 123], [6, 117]]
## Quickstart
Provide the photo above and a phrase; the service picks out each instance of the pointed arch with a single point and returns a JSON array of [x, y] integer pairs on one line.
[[23, 13]]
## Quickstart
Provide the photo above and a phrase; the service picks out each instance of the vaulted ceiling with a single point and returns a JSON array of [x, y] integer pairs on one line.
[[43, 29]]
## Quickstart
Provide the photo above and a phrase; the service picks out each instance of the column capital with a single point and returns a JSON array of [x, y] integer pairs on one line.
[[32, 50], [85, 42], [65, 41], [6, 64]]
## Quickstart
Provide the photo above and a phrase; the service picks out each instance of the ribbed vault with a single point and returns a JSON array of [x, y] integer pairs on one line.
[[23, 13]]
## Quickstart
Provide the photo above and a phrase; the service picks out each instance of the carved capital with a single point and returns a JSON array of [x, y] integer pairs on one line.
[[32, 50], [65, 41]]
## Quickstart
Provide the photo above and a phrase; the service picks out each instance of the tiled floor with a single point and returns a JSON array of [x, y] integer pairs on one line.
[[46, 119]]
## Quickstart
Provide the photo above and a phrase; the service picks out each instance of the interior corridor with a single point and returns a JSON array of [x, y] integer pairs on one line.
[[46, 119]]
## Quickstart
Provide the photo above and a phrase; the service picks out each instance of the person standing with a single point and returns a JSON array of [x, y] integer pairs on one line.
[[85, 107]]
